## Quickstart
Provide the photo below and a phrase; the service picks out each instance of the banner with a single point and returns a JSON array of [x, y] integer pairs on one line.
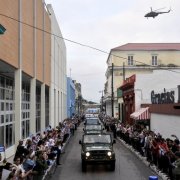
[[2, 148]]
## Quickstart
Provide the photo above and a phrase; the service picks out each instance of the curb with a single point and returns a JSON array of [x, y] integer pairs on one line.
[[143, 159]]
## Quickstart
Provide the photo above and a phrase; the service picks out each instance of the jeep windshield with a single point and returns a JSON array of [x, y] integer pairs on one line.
[[97, 139], [93, 127], [92, 121]]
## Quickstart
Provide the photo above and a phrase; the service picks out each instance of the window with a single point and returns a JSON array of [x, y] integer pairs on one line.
[[38, 109], [2, 93], [47, 107], [2, 81], [130, 60], [2, 106], [2, 136], [25, 109], [2, 119], [154, 60], [7, 107], [9, 135], [7, 115]]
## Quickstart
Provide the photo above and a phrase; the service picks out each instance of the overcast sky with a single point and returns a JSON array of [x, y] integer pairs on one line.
[[106, 24]]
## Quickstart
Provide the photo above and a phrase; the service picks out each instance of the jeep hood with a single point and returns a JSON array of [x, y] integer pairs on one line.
[[95, 148]]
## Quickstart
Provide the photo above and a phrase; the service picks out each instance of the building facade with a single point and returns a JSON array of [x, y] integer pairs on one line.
[[155, 100], [58, 86], [70, 97], [135, 58], [26, 97]]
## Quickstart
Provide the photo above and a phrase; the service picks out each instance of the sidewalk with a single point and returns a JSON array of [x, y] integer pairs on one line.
[[143, 159], [49, 171]]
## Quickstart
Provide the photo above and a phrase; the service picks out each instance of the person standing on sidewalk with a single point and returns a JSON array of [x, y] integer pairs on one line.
[[176, 170], [4, 165]]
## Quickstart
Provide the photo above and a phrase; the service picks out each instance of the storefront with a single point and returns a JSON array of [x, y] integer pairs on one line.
[[128, 98]]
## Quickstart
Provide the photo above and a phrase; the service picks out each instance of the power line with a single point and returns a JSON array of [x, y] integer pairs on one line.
[[90, 74], [75, 42]]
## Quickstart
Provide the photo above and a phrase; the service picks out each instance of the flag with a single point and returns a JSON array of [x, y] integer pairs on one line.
[[2, 148]]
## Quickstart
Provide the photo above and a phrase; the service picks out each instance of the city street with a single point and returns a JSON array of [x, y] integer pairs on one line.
[[110, 65], [128, 166]]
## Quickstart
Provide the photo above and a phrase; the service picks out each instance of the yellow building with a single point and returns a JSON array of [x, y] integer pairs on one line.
[[135, 58]]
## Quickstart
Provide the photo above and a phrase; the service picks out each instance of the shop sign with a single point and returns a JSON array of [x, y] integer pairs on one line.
[[166, 97]]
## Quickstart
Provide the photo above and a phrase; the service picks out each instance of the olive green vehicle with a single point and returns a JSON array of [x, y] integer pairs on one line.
[[96, 149], [93, 129]]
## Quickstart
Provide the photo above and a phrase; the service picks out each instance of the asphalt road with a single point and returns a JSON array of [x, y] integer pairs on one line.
[[128, 166]]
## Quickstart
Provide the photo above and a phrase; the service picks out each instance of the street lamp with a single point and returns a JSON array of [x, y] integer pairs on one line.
[[111, 69], [2, 29]]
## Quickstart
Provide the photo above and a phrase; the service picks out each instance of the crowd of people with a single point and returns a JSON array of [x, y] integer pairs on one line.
[[37, 153], [160, 152]]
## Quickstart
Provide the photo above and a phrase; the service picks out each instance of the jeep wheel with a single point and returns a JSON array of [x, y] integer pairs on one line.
[[83, 166], [112, 166]]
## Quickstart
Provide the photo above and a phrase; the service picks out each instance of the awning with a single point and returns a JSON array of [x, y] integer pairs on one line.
[[141, 114]]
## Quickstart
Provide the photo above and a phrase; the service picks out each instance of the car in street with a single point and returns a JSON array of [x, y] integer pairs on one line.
[[97, 149], [93, 129], [92, 121]]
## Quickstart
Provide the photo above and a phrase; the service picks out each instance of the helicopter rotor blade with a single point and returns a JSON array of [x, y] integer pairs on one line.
[[160, 9]]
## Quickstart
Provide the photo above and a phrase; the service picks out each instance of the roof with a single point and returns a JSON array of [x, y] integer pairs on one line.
[[148, 47]]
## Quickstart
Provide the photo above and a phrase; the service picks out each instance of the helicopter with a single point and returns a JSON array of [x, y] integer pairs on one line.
[[155, 13]]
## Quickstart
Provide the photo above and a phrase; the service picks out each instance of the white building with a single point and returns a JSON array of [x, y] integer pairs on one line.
[[58, 88], [160, 91]]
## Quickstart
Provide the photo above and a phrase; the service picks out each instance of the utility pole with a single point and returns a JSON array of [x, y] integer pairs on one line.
[[123, 71], [102, 100], [112, 91]]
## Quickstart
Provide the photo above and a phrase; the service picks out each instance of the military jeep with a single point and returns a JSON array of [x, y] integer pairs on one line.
[[92, 121], [93, 129], [97, 148]]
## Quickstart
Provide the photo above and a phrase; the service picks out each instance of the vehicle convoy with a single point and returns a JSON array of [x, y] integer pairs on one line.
[[96, 149], [93, 129]]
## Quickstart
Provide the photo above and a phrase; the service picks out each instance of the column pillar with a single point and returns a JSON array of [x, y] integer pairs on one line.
[[18, 89]]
